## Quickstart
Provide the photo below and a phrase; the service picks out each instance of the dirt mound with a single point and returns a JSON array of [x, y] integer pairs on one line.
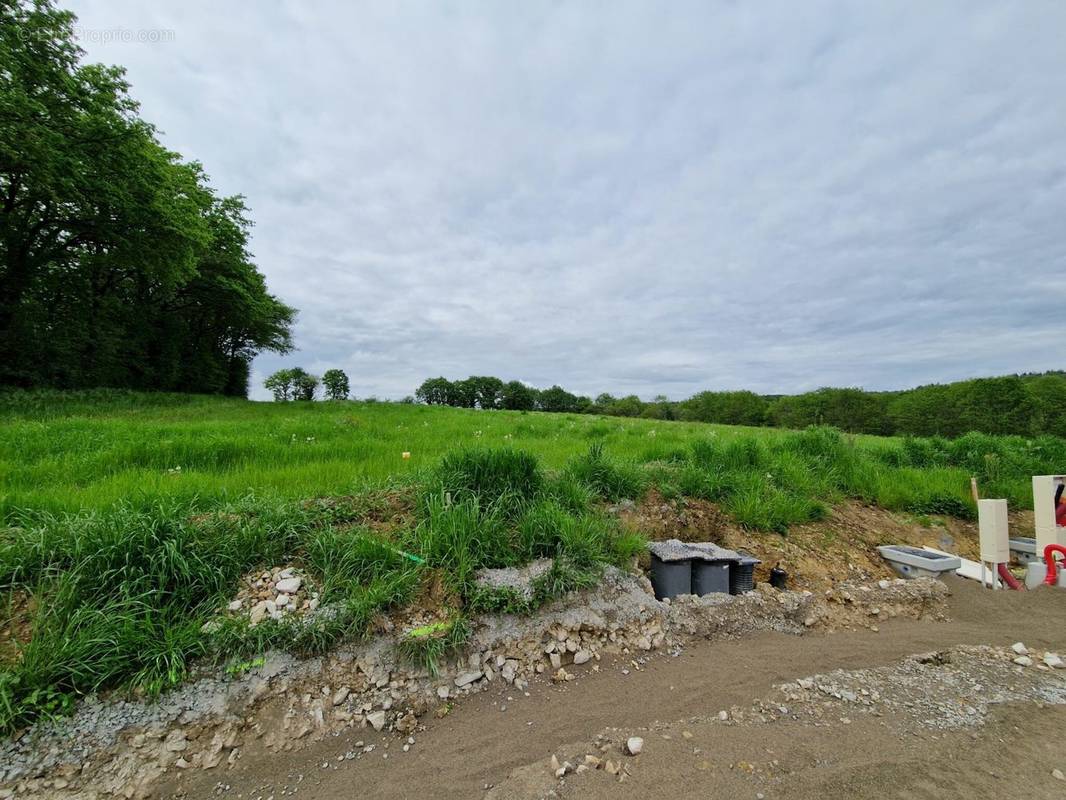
[[818, 555]]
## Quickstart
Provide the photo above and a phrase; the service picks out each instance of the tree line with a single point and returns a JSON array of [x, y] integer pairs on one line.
[[119, 264], [1025, 405], [297, 383]]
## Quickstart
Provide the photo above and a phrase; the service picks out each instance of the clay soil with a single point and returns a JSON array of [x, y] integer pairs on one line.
[[817, 555], [16, 616], [497, 744]]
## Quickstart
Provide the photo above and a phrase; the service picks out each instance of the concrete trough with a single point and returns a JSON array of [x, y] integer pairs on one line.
[[1023, 549], [913, 562]]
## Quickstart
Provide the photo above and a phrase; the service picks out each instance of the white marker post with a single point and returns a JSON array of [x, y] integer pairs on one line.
[[994, 537]]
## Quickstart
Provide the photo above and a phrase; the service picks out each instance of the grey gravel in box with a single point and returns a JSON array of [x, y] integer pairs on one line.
[[710, 576], [742, 574], [670, 578]]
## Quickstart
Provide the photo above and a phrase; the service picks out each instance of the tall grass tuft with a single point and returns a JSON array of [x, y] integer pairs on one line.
[[490, 475], [606, 477]]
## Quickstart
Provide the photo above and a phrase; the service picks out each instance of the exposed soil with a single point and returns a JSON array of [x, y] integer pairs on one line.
[[499, 743], [383, 511], [16, 619], [817, 555]]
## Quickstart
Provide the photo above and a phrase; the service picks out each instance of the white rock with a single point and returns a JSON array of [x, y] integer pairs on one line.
[[288, 572], [1054, 661], [281, 600], [556, 660], [1019, 649], [723, 715], [466, 678], [442, 692], [634, 744], [376, 720], [258, 613], [236, 605], [582, 657], [288, 585], [1058, 775], [1023, 661], [341, 695]]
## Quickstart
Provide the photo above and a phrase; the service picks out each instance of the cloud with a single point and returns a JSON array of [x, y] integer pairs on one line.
[[772, 196]]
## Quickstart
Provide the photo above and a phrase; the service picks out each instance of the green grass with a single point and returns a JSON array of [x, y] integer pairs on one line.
[[130, 518]]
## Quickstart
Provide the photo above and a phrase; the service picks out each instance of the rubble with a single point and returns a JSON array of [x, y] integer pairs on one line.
[[120, 747]]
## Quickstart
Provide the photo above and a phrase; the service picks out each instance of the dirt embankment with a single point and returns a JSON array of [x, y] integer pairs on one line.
[[118, 747], [817, 555]]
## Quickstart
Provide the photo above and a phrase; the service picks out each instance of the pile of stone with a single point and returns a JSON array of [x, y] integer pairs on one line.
[[273, 594]]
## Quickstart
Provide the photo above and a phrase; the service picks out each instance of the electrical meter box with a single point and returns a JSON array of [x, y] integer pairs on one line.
[[1047, 493], [992, 524]]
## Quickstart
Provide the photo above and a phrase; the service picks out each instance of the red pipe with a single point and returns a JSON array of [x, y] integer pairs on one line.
[[1049, 559], [1009, 579]]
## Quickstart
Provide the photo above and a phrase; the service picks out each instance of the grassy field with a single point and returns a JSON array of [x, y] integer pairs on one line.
[[78, 452], [129, 519]]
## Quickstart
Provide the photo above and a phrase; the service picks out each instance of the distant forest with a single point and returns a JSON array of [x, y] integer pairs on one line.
[[1024, 405]]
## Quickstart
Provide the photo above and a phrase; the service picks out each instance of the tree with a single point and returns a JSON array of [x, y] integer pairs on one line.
[[281, 385], [292, 384], [304, 385], [118, 264], [628, 406], [463, 394], [434, 391], [335, 383], [486, 390], [726, 408], [1049, 392], [556, 399], [516, 396]]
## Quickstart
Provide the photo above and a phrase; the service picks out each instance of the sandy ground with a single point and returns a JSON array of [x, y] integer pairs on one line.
[[498, 743]]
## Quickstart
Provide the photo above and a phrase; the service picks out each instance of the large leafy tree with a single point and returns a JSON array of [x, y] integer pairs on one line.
[[516, 396], [434, 391], [335, 382], [118, 264]]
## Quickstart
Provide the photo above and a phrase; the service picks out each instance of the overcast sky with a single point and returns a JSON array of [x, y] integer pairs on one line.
[[631, 197]]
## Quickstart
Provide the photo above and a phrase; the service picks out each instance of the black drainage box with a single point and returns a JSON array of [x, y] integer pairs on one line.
[[671, 578], [742, 574], [710, 576]]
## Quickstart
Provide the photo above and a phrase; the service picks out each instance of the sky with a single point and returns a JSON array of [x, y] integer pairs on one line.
[[623, 197]]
